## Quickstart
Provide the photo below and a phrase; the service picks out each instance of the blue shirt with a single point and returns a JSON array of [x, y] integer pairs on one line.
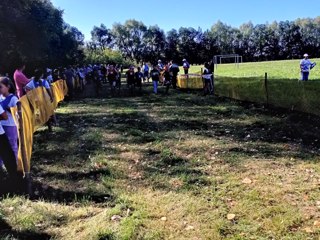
[[305, 65]]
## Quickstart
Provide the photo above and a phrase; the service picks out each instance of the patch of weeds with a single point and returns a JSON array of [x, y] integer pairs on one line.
[[169, 158], [106, 235]]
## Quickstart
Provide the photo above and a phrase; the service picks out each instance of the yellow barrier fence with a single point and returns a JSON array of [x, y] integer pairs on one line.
[[35, 111], [190, 81]]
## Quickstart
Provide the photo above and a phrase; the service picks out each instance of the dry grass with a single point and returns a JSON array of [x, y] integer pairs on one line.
[[171, 167]]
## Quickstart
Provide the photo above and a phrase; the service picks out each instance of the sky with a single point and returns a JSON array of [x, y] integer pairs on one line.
[[84, 14]]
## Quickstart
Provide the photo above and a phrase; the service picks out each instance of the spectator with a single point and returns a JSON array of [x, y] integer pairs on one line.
[[160, 65], [112, 78], [145, 69], [174, 69], [155, 76], [186, 66], [20, 80], [49, 77], [206, 79], [6, 152], [306, 66], [69, 73], [167, 78], [56, 75], [130, 79], [8, 100], [37, 81], [138, 79], [119, 75]]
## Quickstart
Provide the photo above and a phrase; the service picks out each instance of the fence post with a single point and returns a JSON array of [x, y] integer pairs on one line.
[[201, 72], [23, 152], [266, 88]]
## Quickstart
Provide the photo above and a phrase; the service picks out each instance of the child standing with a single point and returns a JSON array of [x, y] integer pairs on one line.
[[8, 100], [36, 82], [6, 153]]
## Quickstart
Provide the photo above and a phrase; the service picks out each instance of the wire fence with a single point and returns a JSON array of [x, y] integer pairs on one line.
[[290, 94]]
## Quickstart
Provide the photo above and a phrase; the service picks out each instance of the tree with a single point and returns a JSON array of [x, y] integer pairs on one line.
[[154, 42], [34, 31], [171, 47], [129, 39], [102, 37]]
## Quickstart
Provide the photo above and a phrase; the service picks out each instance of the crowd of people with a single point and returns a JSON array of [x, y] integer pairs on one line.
[[76, 77]]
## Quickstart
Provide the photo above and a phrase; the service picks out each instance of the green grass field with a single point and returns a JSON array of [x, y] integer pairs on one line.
[[247, 83], [289, 69], [181, 166]]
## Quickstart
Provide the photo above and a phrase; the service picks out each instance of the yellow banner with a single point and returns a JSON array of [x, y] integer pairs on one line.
[[36, 109], [190, 81]]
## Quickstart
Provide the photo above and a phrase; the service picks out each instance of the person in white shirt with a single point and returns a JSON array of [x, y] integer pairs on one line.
[[8, 100], [6, 153], [37, 81]]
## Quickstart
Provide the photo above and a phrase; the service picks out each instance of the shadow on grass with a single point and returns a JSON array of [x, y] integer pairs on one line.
[[149, 119], [6, 232]]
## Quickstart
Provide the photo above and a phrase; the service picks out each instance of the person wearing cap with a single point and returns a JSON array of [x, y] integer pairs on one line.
[[185, 66], [306, 65]]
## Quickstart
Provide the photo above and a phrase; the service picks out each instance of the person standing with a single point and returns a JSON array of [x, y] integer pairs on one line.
[[167, 78], [6, 152], [138, 79], [145, 69], [112, 78], [155, 76], [36, 82], [305, 66], [7, 101], [160, 66], [206, 79], [69, 73], [130, 79], [20, 80], [186, 66], [174, 69]]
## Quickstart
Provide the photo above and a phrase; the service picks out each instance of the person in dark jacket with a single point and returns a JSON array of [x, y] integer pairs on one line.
[[174, 70], [155, 76]]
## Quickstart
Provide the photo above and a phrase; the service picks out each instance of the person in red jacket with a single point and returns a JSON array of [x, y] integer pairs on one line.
[[20, 80]]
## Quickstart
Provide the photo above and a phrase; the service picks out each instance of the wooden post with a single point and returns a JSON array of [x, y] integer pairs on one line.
[[27, 175], [201, 73], [266, 88]]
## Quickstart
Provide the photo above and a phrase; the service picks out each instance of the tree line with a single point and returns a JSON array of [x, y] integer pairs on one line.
[[261, 42], [34, 32]]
